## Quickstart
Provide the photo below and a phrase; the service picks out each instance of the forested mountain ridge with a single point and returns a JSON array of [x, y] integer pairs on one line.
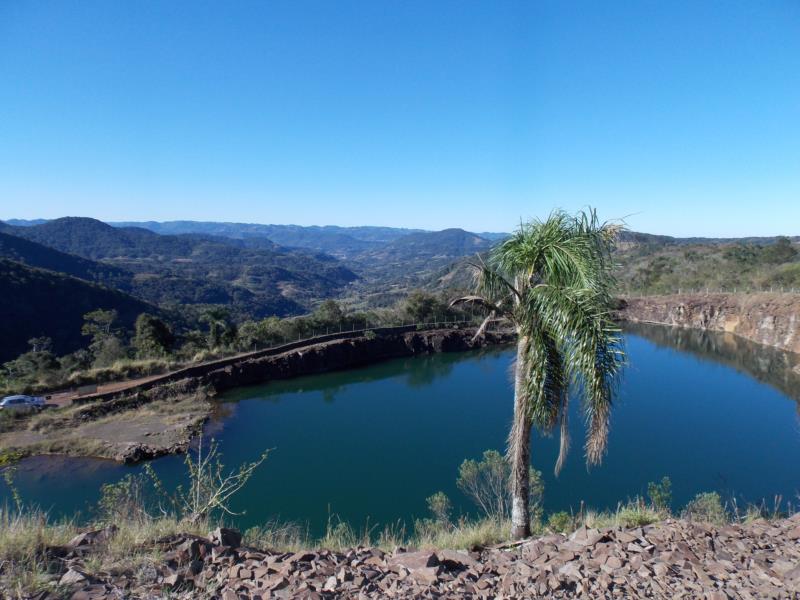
[[37, 255], [38, 302], [257, 277], [341, 242]]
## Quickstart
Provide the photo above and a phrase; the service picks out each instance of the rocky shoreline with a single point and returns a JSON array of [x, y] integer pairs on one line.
[[770, 319], [670, 559]]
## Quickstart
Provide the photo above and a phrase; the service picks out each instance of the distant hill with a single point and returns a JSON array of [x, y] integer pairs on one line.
[[26, 222], [665, 240], [256, 276], [37, 255], [411, 259], [37, 302], [341, 242]]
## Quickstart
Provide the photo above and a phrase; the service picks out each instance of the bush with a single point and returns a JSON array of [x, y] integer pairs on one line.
[[706, 507], [488, 484], [660, 494], [441, 508], [560, 522]]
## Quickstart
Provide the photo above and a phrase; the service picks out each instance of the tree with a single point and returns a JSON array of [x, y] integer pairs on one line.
[[106, 345], [152, 337], [552, 281], [780, 252], [41, 344], [328, 314], [99, 324], [421, 307], [221, 331]]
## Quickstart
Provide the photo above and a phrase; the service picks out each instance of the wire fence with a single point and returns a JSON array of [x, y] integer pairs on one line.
[[708, 291]]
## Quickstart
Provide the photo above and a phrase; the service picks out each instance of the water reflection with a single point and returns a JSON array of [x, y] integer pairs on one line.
[[415, 372], [772, 366]]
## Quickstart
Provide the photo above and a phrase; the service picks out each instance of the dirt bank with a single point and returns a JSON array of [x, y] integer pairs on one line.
[[768, 319], [146, 421]]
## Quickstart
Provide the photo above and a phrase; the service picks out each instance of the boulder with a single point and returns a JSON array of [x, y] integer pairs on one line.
[[222, 536], [72, 577], [413, 560]]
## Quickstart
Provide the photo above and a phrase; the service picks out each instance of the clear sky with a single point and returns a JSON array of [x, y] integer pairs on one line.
[[683, 116]]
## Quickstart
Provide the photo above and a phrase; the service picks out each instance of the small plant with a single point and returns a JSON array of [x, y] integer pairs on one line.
[[660, 494], [706, 507], [636, 513], [441, 508], [275, 534], [488, 484], [370, 335], [210, 487], [8, 477], [560, 522], [124, 500], [10, 457]]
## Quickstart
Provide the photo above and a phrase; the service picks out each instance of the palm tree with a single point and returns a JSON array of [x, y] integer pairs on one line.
[[552, 281]]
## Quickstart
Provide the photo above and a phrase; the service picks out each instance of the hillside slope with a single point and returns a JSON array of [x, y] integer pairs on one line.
[[256, 277], [36, 302], [37, 255]]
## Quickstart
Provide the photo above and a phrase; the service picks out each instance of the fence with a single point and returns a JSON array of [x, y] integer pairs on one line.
[[707, 291]]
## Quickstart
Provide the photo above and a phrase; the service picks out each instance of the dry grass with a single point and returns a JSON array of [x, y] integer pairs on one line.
[[27, 567]]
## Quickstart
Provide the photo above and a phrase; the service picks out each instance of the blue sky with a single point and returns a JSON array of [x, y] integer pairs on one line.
[[683, 116]]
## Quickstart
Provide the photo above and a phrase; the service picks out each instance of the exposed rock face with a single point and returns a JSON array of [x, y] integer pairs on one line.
[[672, 559], [769, 319]]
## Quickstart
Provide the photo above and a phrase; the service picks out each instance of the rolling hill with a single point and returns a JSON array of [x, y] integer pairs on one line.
[[37, 302], [36, 255], [255, 276]]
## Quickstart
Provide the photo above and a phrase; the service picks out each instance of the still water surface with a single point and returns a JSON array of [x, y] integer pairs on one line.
[[710, 411]]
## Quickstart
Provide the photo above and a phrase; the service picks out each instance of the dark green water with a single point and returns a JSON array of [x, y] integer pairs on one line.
[[712, 412]]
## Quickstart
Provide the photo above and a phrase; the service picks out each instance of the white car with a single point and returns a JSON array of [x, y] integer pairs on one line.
[[21, 402]]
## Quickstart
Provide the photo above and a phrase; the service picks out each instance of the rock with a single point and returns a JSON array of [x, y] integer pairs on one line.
[[413, 560], [674, 559], [93, 537], [71, 577], [456, 561], [173, 580], [426, 575], [223, 536]]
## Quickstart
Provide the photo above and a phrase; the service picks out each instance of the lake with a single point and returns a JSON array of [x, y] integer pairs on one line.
[[711, 411]]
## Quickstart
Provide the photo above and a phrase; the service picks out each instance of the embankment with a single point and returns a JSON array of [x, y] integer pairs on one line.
[[770, 319], [161, 415]]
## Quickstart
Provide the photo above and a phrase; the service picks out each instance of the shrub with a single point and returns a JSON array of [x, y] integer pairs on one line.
[[706, 507], [488, 484], [560, 522], [441, 508], [636, 514], [660, 494]]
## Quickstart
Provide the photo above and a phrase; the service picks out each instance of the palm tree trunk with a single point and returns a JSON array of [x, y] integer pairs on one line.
[[519, 450]]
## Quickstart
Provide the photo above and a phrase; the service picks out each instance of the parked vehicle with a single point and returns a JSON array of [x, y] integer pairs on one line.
[[20, 402]]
